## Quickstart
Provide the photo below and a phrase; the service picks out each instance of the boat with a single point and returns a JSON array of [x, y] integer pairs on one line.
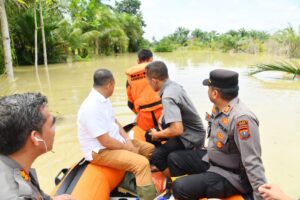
[[87, 181]]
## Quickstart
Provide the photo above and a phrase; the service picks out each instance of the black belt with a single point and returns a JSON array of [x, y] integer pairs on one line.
[[235, 171], [150, 105]]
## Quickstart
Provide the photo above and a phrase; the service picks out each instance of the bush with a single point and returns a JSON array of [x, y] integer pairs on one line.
[[164, 45]]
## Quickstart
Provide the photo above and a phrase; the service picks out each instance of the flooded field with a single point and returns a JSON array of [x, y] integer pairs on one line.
[[273, 97]]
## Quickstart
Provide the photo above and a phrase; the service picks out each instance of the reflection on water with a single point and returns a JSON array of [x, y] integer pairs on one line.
[[275, 101]]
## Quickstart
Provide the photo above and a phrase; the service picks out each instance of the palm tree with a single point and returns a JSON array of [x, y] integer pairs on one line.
[[35, 39], [6, 37], [43, 36], [290, 68]]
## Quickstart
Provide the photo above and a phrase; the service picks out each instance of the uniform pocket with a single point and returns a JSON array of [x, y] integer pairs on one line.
[[220, 141]]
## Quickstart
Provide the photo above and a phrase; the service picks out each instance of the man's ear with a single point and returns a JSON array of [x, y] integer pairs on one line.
[[216, 94], [33, 136], [138, 61], [150, 59], [153, 80], [108, 85]]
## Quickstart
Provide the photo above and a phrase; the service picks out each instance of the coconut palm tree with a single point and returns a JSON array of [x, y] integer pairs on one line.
[[35, 39], [288, 67], [43, 36], [6, 37]]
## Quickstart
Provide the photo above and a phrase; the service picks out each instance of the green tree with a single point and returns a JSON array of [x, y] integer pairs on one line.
[[23, 35], [133, 29], [6, 37], [166, 44], [180, 36], [104, 31], [290, 39], [132, 22], [131, 7]]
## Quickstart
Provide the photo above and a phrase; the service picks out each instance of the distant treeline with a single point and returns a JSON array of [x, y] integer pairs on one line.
[[81, 29], [283, 42], [74, 28]]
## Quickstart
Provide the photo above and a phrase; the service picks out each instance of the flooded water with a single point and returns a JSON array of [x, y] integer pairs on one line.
[[272, 96]]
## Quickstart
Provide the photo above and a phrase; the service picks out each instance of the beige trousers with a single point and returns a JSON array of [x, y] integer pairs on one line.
[[125, 160]]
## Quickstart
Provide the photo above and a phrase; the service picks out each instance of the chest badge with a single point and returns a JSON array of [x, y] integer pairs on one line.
[[225, 121], [220, 136], [226, 109], [219, 144]]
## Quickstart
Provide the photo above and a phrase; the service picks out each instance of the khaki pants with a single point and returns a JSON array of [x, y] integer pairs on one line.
[[125, 160]]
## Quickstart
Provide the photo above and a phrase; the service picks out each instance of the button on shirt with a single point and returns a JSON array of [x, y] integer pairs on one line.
[[95, 118]]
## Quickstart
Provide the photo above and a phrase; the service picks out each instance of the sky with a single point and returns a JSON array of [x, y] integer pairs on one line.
[[164, 16]]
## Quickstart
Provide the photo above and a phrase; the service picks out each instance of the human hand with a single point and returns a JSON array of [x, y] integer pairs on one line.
[[272, 192], [131, 147], [154, 135], [63, 197]]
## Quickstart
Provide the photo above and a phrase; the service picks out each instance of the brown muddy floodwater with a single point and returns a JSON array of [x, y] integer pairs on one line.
[[274, 97]]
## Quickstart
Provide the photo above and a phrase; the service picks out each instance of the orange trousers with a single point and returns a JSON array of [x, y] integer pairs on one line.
[[138, 164]]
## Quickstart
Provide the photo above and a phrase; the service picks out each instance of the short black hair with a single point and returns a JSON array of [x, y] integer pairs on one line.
[[158, 70], [102, 77], [20, 114], [144, 55], [227, 94]]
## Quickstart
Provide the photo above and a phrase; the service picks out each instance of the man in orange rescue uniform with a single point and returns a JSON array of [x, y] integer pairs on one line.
[[142, 99]]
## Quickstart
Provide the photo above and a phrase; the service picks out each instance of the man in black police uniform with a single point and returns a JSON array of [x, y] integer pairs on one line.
[[232, 162]]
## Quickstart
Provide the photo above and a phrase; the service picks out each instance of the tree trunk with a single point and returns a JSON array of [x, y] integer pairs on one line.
[[6, 41], [97, 46], [43, 36], [35, 39]]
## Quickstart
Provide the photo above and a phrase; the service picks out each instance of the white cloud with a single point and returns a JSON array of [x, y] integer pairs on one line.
[[164, 16]]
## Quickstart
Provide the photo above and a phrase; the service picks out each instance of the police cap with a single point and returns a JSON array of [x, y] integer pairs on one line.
[[223, 79]]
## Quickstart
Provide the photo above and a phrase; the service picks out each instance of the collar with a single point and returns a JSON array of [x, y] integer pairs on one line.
[[98, 95], [31, 176], [163, 87], [10, 162], [230, 106], [227, 109]]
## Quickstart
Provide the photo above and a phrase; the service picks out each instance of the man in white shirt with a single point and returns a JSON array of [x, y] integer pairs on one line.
[[104, 141]]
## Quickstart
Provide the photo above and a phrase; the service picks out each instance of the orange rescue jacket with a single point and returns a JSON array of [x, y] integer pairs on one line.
[[141, 97]]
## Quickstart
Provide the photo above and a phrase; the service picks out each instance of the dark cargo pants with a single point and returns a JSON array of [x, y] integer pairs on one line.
[[200, 184]]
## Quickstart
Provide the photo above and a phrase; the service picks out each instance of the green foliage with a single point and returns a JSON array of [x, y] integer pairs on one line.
[[290, 68], [180, 36], [74, 28], [144, 44], [23, 37], [164, 45], [289, 38], [131, 21], [133, 29], [233, 41], [131, 7], [82, 29]]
